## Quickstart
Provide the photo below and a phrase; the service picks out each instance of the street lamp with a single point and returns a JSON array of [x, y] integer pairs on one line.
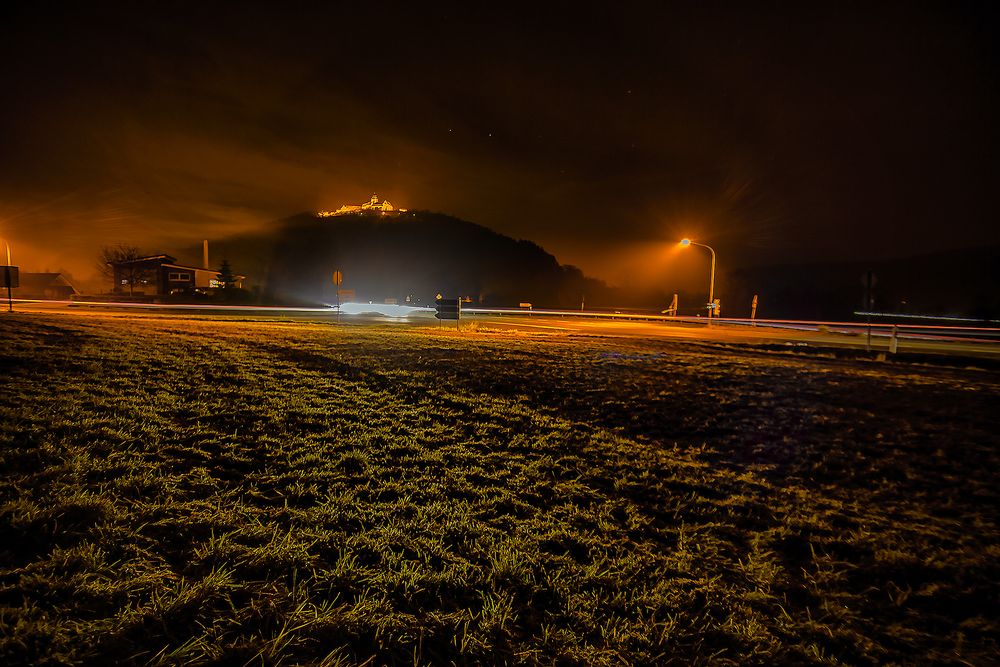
[[711, 285]]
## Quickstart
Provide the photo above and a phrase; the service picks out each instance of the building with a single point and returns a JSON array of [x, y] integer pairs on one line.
[[43, 286], [160, 275], [371, 206]]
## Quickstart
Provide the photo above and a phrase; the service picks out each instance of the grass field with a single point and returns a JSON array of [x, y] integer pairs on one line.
[[193, 491]]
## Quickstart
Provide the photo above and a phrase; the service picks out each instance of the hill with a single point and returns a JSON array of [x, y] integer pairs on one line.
[[419, 254], [414, 255]]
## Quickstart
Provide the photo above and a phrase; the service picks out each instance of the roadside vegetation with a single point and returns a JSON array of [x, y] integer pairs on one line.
[[215, 491]]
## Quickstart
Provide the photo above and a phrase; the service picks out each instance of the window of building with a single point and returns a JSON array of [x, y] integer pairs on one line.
[[178, 277]]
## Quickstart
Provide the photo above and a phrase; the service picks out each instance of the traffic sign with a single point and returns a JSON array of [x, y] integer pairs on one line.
[[10, 276], [338, 278], [448, 309]]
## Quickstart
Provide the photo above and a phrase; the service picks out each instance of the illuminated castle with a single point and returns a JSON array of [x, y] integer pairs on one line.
[[371, 206]]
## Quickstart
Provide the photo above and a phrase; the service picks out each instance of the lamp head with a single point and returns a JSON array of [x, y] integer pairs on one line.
[[685, 243]]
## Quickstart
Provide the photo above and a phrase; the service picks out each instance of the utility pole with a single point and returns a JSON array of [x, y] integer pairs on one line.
[[711, 284], [711, 287], [9, 276]]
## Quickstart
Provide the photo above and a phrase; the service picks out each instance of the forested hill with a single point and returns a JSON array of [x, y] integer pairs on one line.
[[417, 254]]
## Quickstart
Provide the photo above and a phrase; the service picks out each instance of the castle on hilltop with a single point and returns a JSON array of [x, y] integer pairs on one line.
[[371, 206]]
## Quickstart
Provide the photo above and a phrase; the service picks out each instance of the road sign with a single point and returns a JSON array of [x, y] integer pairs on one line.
[[338, 278], [448, 309], [10, 276]]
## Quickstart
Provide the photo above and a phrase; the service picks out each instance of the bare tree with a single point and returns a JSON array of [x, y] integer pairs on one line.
[[123, 258]]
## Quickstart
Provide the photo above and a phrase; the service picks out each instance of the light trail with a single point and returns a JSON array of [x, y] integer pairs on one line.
[[180, 306], [754, 328], [883, 328], [946, 318]]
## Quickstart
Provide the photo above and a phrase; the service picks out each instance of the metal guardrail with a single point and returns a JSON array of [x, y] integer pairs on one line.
[[879, 329]]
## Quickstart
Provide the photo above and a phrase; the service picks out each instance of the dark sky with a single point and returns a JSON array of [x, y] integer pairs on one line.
[[775, 132]]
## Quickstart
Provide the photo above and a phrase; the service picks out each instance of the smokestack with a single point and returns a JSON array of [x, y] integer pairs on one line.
[[205, 253]]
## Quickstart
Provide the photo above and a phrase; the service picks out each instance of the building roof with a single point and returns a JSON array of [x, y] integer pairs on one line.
[[171, 265], [30, 281], [163, 259], [168, 262], [198, 268]]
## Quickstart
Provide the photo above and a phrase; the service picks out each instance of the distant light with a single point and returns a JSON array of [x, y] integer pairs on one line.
[[374, 204], [685, 242]]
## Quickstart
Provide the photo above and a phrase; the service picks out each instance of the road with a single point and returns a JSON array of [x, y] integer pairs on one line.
[[938, 340], [819, 335]]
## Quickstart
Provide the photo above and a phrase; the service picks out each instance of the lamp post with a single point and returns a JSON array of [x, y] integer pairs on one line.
[[711, 285]]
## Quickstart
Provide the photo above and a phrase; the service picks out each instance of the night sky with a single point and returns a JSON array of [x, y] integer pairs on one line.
[[605, 132]]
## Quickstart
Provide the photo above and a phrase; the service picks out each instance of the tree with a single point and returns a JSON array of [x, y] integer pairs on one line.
[[119, 263], [229, 289], [227, 279]]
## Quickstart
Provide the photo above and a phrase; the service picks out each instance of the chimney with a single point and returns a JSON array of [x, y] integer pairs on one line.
[[205, 253]]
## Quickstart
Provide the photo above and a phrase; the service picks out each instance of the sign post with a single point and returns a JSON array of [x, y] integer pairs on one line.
[[869, 280], [11, 279], [671, 310], [338, 280]]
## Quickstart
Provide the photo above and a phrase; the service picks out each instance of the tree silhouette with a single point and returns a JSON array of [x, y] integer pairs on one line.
[[120, 260], [227, 279]]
